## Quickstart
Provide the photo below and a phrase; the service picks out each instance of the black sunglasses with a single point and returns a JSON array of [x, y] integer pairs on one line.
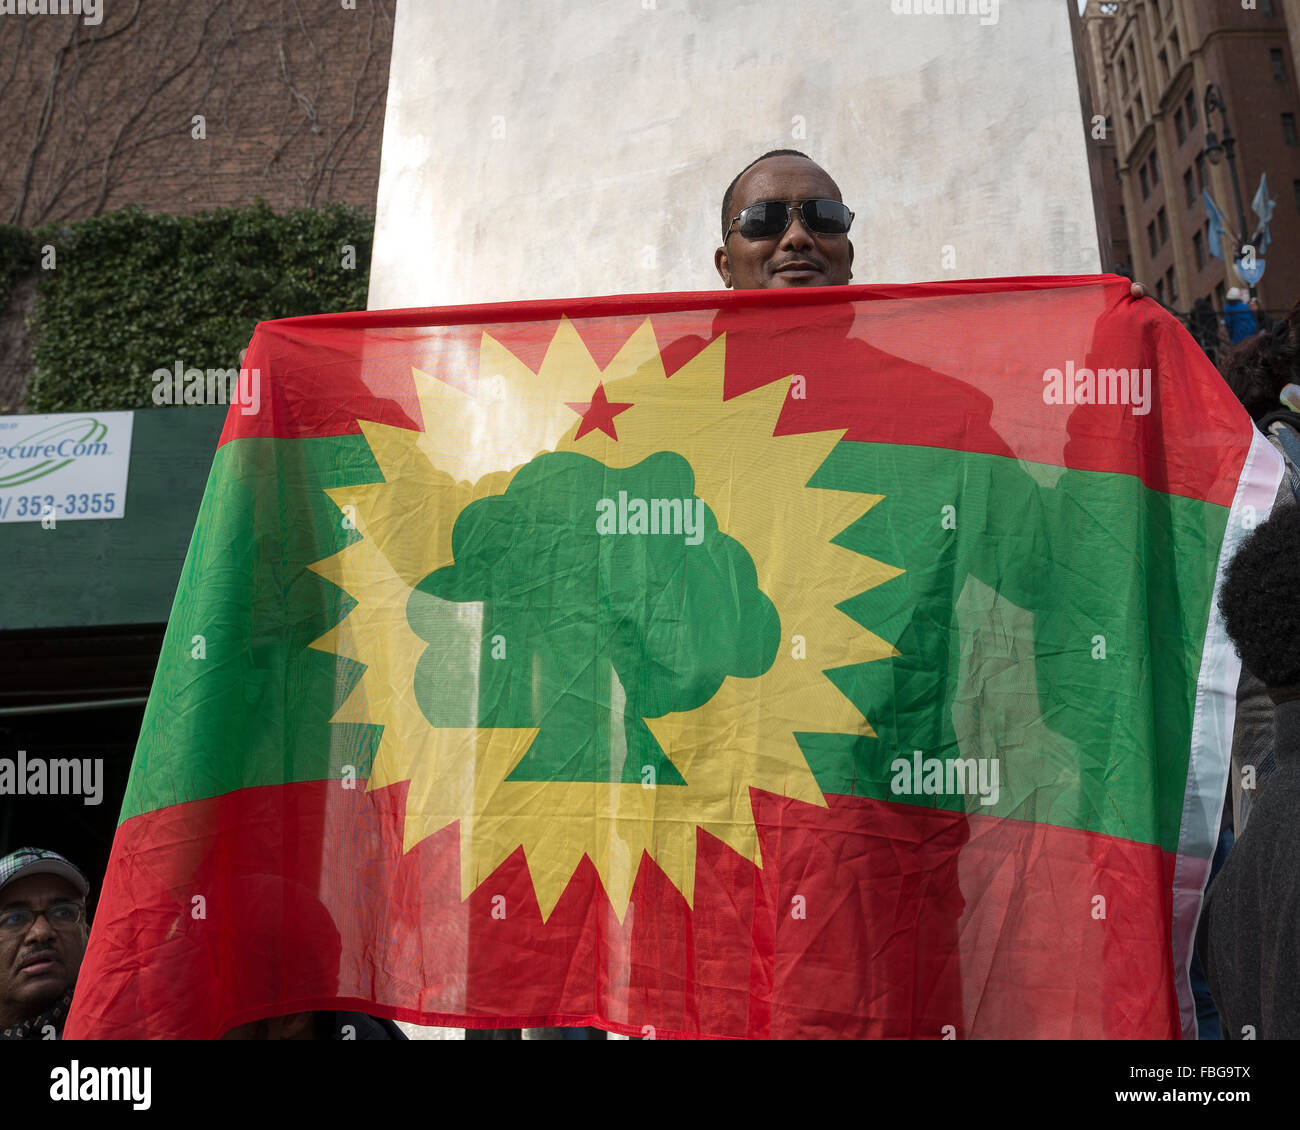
[[771, 217]]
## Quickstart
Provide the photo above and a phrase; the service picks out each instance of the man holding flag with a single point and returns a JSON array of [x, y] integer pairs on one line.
[[792, 662]]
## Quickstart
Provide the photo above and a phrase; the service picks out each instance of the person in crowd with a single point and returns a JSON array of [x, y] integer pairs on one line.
[[1250, 925], [1204, 326], [1237, 316], [1260, 371], [43, 935]]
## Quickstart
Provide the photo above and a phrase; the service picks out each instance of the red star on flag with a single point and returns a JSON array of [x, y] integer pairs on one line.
[[598, 413]]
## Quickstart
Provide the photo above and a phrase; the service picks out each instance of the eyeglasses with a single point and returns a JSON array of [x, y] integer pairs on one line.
[[62, 916], [771, 217]]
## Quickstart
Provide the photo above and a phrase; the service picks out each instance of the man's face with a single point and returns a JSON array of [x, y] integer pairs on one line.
[[797, 257], [40, 963]]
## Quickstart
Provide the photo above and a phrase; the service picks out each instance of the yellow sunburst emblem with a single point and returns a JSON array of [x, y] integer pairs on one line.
[[754, 483]]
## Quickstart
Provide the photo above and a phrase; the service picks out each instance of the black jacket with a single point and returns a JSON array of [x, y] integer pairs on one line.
[[1250, 927]]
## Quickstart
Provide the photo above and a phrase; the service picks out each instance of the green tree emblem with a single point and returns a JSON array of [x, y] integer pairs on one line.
[[585, 634]]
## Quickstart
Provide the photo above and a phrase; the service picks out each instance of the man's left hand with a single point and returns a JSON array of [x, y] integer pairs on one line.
[[1137, 290]]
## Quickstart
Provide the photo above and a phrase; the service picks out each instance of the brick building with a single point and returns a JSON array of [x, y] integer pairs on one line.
[[1147, 65], [182, 106]]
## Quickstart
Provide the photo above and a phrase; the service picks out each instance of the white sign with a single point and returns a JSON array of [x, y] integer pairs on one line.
[[64, 468]]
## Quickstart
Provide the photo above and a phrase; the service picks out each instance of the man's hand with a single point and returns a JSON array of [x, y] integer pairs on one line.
[[1137, 290]]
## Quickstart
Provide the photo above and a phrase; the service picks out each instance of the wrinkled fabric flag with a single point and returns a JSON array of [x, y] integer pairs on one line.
[[811, 663], [1262, 205], [1217, 231]]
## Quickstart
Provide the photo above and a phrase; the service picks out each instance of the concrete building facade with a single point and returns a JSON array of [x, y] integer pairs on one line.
[[586, 151]]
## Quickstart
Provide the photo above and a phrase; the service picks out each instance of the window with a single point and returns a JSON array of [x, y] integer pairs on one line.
[[1123, 215], [1123, 74], [1295, 185], [1164, 64], [1141, 108], [1151, 238], [1180, 126], [1266, 9], [1189, 104], [1200, 171], [1155, 170], [1288, 128], [1198, 243], [1163, 221], [1115, 162], [1173, 43], [1160, 291], [1171, 287], [1146, 181], [1133, 61], [1279, 68], [1128, 117], [1189, 192]]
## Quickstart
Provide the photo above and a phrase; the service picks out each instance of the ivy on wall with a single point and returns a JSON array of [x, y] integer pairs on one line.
[[131, 292]]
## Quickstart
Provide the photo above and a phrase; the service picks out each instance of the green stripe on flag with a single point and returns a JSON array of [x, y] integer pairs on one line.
[[1049, 619], [239, 698]]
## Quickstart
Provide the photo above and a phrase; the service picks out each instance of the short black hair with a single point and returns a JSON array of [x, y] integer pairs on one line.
[[1258, 599], [1258, 368], [731, 188]]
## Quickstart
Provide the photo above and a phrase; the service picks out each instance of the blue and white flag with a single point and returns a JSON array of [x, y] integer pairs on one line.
[[1216, 225], [1263, 207]]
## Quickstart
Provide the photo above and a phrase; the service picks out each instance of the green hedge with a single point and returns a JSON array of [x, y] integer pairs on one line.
[[132, 292]]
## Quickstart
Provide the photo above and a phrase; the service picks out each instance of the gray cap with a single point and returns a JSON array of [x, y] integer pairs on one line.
[[37, 861]]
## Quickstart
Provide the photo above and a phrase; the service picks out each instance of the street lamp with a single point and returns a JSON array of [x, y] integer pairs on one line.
[[1216, 149]]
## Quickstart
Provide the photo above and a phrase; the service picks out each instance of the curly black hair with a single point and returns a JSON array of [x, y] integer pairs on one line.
[[1258, 368], [731, 188], [1259, 599]]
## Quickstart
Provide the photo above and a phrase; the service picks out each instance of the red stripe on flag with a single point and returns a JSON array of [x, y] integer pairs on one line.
[[958, 366], [273, 900]]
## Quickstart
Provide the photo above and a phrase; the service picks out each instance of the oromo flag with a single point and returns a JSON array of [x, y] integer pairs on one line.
[[837, 662]]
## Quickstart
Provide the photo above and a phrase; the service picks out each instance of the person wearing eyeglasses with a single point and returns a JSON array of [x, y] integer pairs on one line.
[[785, 224], [43, 935]]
